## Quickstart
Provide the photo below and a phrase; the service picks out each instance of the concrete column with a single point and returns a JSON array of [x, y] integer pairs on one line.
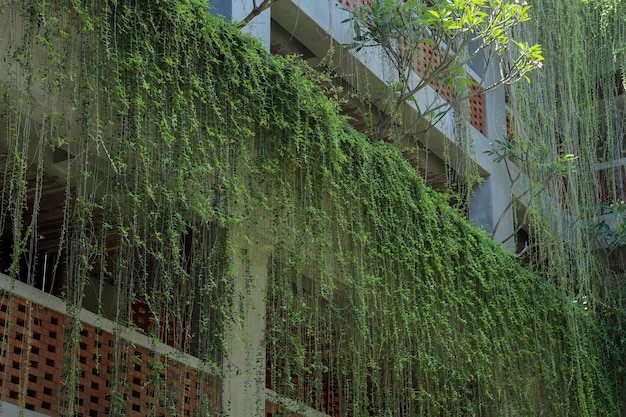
[[490, 205], [237, 10], [243, 384]]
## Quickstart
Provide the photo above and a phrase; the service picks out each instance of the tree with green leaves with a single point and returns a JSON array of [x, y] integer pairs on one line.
[[534, 183], [433, 44]]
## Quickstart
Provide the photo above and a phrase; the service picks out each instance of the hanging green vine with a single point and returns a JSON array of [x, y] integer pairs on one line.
[[181, 140], [573, 106]]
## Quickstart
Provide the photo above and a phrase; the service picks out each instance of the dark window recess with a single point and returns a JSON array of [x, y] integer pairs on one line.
[[36, 268]]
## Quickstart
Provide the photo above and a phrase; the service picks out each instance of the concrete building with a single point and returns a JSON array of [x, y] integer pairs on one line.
[[33, 341], [314, 30]]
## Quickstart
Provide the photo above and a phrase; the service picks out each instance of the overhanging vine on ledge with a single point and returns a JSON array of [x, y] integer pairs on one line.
[[174, 131]]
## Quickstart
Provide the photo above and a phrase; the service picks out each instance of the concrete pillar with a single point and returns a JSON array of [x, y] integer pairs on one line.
[[244, 364], [237, 10], [490, 205], [243, 382]]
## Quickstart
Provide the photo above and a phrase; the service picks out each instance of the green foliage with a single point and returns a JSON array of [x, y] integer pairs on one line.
[[189, 147], [610, 230], [439, 41], [534, 168], [573, 105], [526, 153]]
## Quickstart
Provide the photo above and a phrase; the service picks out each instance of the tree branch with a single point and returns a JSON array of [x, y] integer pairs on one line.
[[256, 10]]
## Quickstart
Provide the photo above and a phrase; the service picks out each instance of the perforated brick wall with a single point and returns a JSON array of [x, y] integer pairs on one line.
[[114, 373], [174, 333], [477, 112], [30, 375], [426, 64], [323, 394], [351, 4]]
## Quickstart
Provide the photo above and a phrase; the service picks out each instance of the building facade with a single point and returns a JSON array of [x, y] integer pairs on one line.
[[148, 271]]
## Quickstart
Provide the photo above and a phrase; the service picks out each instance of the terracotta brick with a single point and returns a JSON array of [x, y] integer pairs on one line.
[[96, 355]]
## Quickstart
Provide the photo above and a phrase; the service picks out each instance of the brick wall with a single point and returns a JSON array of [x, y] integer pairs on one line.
[[113, 372]]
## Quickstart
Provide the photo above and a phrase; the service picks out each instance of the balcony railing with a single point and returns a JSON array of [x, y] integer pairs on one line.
[[119, 369]]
